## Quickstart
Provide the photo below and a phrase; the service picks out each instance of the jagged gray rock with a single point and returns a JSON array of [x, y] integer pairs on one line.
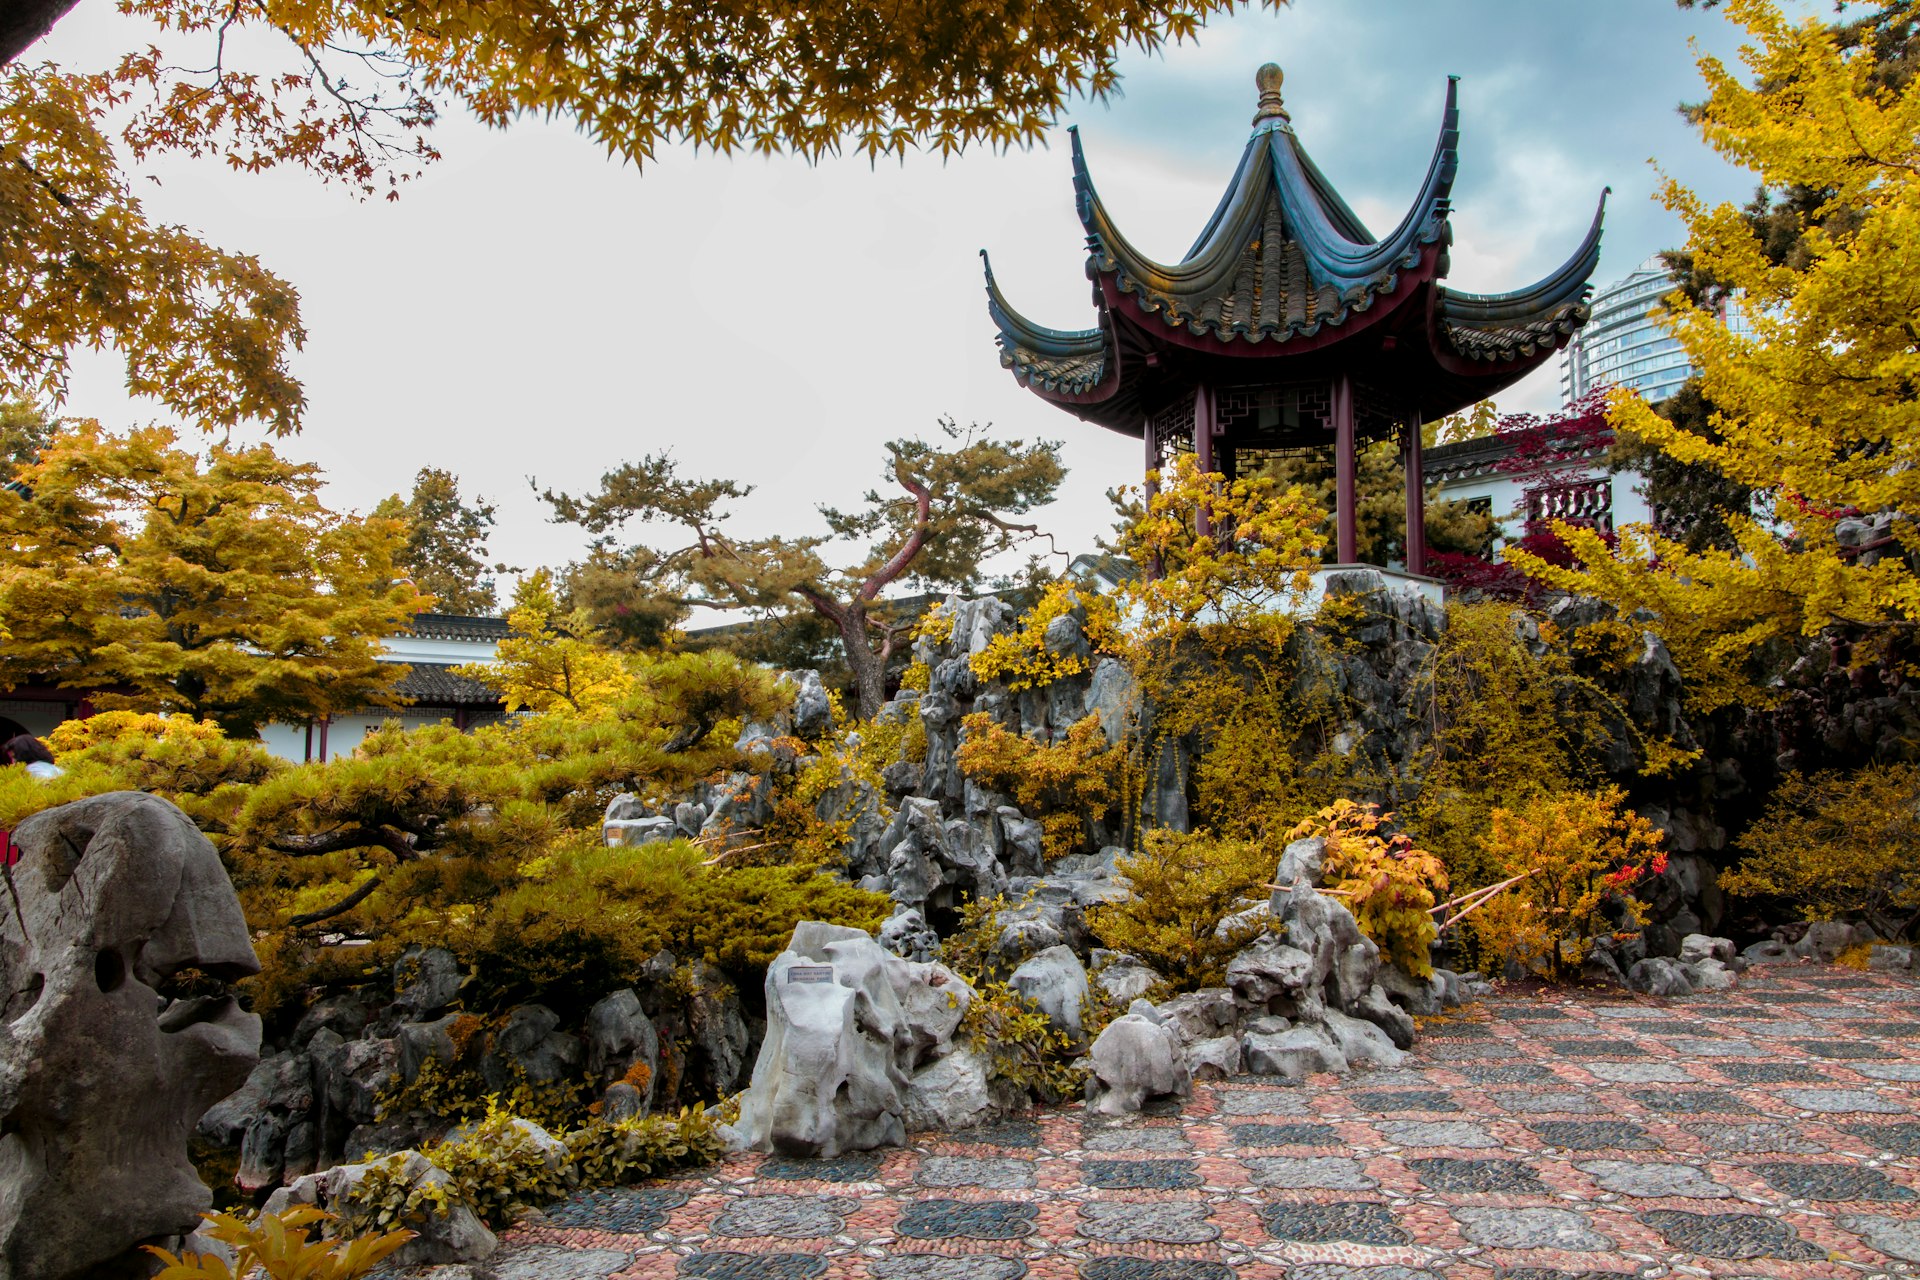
[[1303, 860], [847, 1024], [1135, 1059], [718, 1028], [1122, 977], [812, 708], [101, 1081], [455, 1235], [1200, 1015], [952, 1092], [1294, 1053], [1660, 976], [1826, 939], [1698, 946], [618, 1035], [1055, 981], [907, 934], [425, 981]]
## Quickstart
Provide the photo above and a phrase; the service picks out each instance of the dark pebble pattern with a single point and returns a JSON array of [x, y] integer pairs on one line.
[[1140, 1175], [627, 1210], [1355, 1222], [1448, 1173], [967, 1219], [1731, 1235]]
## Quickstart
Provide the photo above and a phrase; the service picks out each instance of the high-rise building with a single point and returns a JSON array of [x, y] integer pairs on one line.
[[1622, 345]]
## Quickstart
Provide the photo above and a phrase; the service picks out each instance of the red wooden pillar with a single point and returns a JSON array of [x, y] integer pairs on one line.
[[1346, 501], [1154, 567], [1203, 422], [1416, 499]]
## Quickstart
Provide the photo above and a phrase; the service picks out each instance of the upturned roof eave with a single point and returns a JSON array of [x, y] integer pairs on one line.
[[1037, 337], [1570, 284]]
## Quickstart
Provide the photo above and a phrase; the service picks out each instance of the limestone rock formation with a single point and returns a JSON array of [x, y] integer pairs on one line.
[[1135, 1059], [455, 1235], [102, 1077], [848, 1023]]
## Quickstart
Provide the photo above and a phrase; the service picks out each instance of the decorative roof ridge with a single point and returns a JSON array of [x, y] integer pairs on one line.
[[1062, 361], [458, 626], [1327, 244]]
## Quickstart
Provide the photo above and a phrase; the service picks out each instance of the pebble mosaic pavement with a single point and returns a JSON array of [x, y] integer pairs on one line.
[[1770, 1132]]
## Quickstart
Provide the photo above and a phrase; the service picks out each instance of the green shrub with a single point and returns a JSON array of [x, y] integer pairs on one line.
[[1184, 885]]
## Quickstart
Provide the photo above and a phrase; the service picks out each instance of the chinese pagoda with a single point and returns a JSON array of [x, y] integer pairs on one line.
[[1289, 326]]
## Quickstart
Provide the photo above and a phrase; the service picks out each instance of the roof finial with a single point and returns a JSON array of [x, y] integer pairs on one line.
[[1268, 78]]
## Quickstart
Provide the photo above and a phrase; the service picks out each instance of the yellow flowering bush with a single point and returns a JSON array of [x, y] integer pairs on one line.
[[1385, 880]]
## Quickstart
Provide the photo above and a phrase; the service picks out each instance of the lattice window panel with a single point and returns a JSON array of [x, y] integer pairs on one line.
[[1172, 430], [1274, 416]]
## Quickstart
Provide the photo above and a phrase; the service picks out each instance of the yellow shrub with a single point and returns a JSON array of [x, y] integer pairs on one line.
[[1184, 885], [275, 1246], [1022, 659], [121, 726], [1581, 853], [1386, 881], [1839, 844], [1069, 785]]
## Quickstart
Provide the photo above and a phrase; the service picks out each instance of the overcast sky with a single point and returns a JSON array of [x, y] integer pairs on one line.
[[532, 308]]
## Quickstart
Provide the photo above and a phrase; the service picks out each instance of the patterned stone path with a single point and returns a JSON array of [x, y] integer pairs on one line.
[[1764, 1132]]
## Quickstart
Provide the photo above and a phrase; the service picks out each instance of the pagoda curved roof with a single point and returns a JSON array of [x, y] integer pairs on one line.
[[1283, 267], [1283, 255]]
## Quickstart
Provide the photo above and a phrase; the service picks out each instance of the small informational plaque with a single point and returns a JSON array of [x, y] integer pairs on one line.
[[810, 973]]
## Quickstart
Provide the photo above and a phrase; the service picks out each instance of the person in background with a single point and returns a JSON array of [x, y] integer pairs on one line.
[[30, 751]]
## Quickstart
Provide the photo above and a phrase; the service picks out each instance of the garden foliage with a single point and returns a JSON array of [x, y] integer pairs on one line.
[[1183, 887], [1810, 382], [1382, 877], [1836, 844], [276, 1246], [1581, 853]]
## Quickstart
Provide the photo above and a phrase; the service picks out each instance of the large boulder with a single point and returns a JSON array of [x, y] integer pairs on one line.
[[717, 1031], [1135, 1059], [1056, 982], [1660, 976], [1826, 939], [812, 708], [1123, 978], [425, 981], [952, 1092], [907, 934], [848, 1022], [531, 1047], [1272, 1048], [1200, 1015], [102, 1079]]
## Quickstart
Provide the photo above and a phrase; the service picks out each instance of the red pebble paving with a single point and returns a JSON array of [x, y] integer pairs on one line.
[[1767, 1132]]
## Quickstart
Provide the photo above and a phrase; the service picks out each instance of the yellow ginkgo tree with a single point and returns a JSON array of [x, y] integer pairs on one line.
[[1816, 387]]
